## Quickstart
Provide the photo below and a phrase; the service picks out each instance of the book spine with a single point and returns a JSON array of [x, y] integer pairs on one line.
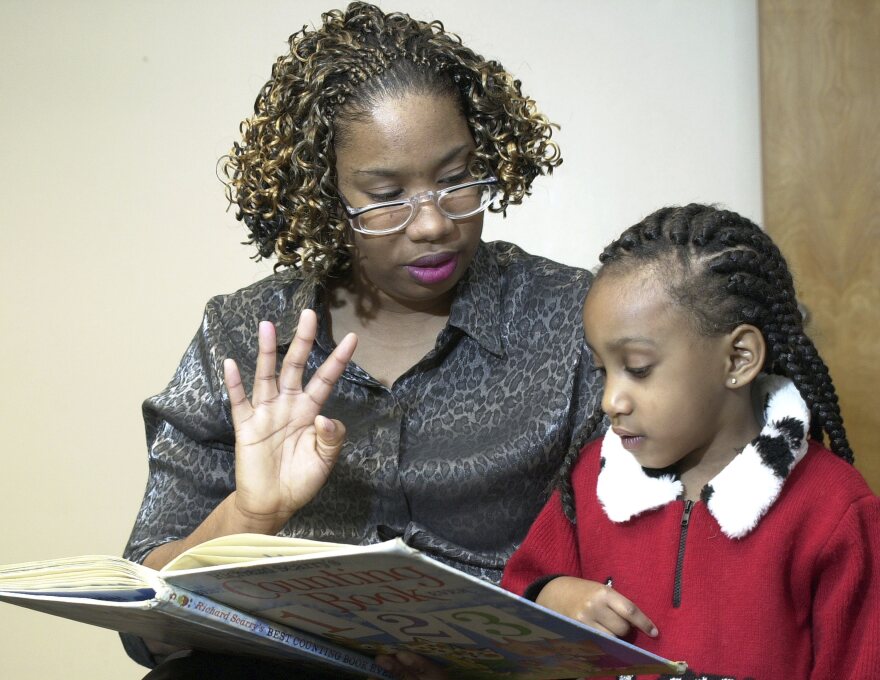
[[290, 643]]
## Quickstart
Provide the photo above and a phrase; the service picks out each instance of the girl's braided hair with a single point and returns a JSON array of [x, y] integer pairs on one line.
[[725, 271], [282, 174]]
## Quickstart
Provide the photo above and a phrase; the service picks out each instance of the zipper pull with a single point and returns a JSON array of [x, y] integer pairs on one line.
[[686, 515]]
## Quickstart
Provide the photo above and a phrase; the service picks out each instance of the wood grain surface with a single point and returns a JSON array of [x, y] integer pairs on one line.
[[820, 90]]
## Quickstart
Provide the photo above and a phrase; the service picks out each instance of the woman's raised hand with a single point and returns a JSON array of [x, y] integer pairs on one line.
[[284, 450]]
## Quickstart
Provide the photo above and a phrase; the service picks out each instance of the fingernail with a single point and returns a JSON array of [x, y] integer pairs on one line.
[[654, 632], [327, 425]]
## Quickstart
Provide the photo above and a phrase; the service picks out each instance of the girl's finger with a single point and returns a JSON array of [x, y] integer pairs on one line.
[[612, 622], [290, 380], [603, 629], [265, 387], [631, 613]]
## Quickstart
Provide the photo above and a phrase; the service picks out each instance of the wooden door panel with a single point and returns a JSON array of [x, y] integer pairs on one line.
[[820, 91]]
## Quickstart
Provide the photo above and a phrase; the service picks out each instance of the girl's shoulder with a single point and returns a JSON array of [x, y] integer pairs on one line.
[[822, 469], [589, 462], [824, 479]]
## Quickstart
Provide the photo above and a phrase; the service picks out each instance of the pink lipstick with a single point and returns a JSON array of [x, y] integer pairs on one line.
[[434, 268]]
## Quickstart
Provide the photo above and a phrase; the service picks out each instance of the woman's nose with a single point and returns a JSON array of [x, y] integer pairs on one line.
[[429, 223]]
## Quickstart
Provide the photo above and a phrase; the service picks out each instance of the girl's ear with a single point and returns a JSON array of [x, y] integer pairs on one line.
[[746, 352]]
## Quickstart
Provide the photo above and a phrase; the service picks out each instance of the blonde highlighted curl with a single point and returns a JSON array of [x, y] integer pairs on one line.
[[282, 174]]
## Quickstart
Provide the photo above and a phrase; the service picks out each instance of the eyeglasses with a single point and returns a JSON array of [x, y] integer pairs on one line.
[[456, 203]]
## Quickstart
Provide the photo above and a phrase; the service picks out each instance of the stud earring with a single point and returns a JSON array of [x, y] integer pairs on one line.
[[733, 381]]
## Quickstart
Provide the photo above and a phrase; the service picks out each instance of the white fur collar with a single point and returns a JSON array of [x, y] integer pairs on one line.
[[742, 492]]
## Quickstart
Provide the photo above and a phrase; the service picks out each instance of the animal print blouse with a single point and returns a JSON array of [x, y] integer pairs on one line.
[[456, 457]]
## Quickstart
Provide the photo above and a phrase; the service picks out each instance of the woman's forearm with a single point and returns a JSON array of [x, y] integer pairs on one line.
[[224, 520]]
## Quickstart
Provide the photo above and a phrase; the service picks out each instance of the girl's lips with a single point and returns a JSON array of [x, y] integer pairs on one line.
[[433, 268], [631, 441]]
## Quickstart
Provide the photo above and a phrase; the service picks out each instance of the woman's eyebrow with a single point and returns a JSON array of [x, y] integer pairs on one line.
[[376, 172], [388, 172], [453, 153]]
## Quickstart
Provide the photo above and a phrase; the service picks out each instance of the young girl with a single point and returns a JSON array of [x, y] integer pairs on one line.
[[711, 505]]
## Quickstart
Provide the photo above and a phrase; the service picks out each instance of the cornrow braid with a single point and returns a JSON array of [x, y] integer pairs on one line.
[[732, 273], [282, 174]]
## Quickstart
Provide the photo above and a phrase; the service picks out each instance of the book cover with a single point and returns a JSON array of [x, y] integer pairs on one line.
[[360, 600], [113, 593]]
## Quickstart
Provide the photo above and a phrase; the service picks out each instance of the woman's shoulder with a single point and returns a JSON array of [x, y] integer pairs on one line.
[[271, 298], [269, 291], [533, 294], [538, 279], [513, 261]]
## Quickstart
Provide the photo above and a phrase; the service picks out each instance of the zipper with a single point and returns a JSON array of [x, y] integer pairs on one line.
[[679, 565]]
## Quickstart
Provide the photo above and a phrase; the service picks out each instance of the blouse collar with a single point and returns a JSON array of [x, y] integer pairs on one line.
[[476, 309]]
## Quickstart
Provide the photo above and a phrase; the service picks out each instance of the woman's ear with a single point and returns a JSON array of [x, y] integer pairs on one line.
[[746, 352]]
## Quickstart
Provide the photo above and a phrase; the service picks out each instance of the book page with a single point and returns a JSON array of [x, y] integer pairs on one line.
[[241, 548], [76, 574]]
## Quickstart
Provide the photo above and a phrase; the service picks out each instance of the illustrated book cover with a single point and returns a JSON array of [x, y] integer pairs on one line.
[[326, 605]]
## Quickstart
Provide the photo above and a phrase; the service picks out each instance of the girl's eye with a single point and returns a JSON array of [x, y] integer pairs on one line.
[[599, 369], [638, 371]]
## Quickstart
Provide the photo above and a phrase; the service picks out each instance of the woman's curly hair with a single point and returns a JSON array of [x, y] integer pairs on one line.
[[282, 174]]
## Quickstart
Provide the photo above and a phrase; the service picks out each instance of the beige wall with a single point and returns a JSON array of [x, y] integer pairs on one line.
[[114, 230]]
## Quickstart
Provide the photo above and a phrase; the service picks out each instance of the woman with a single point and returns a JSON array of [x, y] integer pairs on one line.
[[373, 152]]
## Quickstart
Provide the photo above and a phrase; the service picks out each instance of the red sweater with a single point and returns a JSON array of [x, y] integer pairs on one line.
[[798, 596]]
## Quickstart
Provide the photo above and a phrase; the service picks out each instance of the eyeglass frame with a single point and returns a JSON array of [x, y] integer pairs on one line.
[[415, 202]]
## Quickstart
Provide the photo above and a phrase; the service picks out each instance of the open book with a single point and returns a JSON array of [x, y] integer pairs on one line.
[[326, 605]]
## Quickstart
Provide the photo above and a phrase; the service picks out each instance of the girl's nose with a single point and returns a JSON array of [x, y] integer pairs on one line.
[[614, 401]]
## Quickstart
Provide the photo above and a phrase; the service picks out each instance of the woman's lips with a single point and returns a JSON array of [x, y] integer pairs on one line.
[[432, 269]]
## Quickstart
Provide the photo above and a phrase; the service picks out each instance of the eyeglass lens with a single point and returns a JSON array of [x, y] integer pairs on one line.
[[458, 203]]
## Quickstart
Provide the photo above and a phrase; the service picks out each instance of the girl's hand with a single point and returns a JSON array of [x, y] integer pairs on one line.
[[408, 666], [595, 604], [284, 450]]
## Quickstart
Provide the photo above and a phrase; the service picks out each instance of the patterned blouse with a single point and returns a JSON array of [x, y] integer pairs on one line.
[[456, 456]]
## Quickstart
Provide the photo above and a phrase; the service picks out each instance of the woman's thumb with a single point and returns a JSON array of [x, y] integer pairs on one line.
[[329, 437]]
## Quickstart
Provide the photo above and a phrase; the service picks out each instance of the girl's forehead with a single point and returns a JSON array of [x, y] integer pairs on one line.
[[630, 285], [633, 304]]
